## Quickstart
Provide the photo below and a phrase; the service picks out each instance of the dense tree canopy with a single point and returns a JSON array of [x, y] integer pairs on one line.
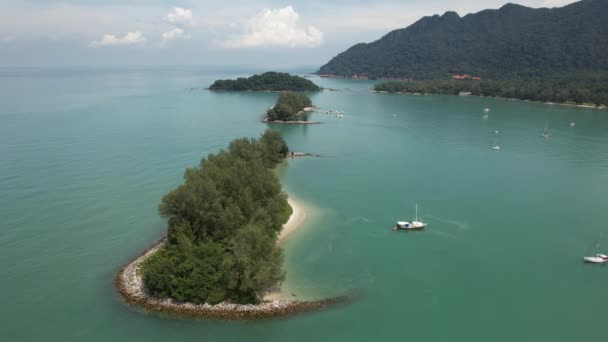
[[513, 42], [592, 89], [268, 81], [222, 227], [289, 106]]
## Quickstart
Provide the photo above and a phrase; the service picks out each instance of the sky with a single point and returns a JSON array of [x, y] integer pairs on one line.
[[246, 33]]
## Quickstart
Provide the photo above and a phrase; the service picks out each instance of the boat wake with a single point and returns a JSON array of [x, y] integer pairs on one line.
[[358, 219], [462, 226], [443, 234]]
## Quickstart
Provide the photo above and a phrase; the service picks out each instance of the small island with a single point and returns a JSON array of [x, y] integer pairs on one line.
[[268, 81], [222, 254], [291, 108], [588, 92]]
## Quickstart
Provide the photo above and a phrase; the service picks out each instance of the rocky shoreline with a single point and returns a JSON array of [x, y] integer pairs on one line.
[[302, 154], [129, 284]]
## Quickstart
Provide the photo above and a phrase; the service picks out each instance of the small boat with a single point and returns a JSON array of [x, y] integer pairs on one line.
[[495, 145], [546, 133], [486, 110], [572, 124], [597, 259], [413, 225], [340, 116]]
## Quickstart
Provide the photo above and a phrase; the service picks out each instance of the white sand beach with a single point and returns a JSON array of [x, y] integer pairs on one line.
[[298, 216]]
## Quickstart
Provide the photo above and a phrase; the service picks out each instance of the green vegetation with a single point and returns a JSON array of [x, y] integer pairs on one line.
[[222, 227], [268, 81], [513, 42], [289, 107], [591, 90]]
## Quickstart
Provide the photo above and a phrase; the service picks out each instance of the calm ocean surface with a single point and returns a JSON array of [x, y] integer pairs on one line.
[[86, 154]]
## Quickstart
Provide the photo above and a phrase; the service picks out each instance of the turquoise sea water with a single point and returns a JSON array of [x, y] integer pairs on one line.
[[85, 156]]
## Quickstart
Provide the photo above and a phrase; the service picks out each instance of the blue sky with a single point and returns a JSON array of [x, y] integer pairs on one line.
[[268, 33]]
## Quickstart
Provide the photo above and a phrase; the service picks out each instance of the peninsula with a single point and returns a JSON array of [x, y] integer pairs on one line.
[[268, 81], [222, 252]]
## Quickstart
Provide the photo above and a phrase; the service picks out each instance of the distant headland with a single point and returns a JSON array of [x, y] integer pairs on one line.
[[551, 55], [268, 81]]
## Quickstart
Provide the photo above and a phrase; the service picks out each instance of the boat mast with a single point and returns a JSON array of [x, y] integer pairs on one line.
[[595, 246], [416, 211]]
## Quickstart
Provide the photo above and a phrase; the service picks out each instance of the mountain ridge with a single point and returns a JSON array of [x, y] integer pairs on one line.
[[513, 41]]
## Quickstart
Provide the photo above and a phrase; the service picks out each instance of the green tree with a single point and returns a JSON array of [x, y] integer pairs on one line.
[[289, 106], [253, 263]]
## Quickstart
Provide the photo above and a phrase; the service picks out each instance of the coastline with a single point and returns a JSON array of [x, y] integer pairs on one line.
[[298, 216], [499, 97], [129, 284]]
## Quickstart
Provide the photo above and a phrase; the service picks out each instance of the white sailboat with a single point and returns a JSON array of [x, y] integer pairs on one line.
[[546, 133], [598, 258], [413, 225], [485, 113], [496, 146]]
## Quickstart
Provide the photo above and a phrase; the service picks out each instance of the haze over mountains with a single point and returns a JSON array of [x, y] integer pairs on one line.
[[511, 42]]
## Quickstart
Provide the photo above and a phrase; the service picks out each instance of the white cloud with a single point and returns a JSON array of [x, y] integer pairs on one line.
[[180, 16], [175, 33], [111, 40], [277, 27]]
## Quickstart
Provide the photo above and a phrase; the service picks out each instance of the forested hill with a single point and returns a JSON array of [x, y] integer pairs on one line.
[[268, 81], [511, 42]]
